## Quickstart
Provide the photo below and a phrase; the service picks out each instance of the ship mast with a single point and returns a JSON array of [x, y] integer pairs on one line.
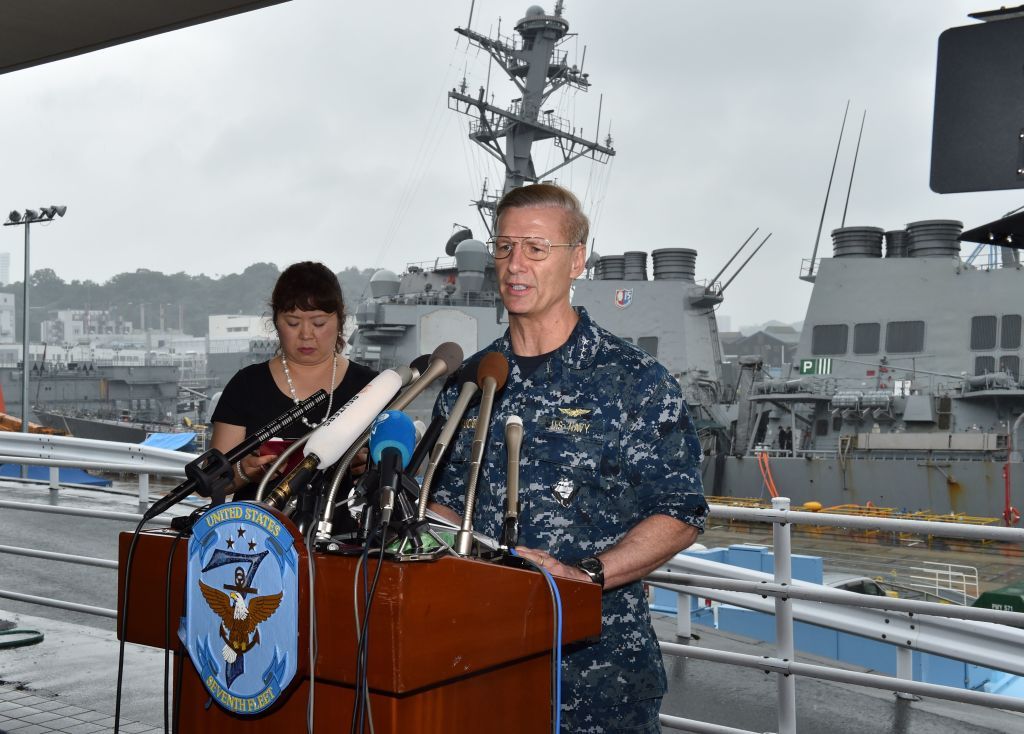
[[538, 67]]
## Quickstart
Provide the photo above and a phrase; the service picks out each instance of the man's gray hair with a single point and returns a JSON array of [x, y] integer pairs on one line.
[[549, 196]]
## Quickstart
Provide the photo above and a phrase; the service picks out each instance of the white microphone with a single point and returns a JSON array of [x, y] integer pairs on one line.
[[513, 446], [335, 435]]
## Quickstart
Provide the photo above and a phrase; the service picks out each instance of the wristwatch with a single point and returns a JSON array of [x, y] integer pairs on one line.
[[594, 568]]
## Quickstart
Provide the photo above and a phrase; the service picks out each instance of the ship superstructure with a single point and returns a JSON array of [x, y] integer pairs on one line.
[[456, 298], [906, 391]]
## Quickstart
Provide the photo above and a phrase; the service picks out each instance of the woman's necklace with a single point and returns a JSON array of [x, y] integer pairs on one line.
[[295, 397]]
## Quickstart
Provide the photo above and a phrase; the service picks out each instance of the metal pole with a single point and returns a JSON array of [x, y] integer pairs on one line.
[[143, 493], [25, 340], [684, 628], [784, 644], [905, 670], [54, 485]]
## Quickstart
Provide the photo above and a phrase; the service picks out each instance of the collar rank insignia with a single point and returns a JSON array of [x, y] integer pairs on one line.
[[575, 412], [241, 606]]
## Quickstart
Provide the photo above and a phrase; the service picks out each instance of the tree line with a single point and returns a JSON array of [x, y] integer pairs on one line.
[[182, 301]]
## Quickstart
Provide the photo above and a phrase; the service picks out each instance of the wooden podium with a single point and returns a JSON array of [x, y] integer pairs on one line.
[[453, 643]]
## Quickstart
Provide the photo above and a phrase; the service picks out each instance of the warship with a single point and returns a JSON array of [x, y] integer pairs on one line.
[[905, 393], [455, 298]]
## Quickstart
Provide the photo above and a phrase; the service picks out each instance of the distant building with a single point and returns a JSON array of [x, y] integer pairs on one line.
[[78, 326], [240, 327], [5, 268], [7, 333], [776, 348]]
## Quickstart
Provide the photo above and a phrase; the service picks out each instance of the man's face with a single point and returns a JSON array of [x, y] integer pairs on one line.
[[537, 287]]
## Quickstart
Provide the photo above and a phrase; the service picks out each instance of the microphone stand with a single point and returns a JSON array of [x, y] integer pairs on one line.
[[466, 395], [464, 538]]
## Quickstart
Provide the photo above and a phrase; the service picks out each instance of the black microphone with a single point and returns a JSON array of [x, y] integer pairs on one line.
[[200, 477], [491, 377], [426, 442]]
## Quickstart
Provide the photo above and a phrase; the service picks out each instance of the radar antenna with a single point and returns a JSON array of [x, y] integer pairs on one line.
[[538, 68], [811, 273]]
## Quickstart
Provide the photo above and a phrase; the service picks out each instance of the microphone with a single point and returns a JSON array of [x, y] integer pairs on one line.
[[392, 439], [336, 434], [442, 361], [513, 445], [199, 478], [466, 394], [419, 365], [425, 441], [491, 377], [445, 359]]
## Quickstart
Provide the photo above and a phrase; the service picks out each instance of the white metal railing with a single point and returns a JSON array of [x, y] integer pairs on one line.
[[40, 449], [992, 638], [82, 453], [65, 557], [987, 637], [951, 581]]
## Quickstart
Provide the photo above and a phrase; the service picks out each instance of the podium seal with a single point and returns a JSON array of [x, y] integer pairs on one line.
[[241, 606]]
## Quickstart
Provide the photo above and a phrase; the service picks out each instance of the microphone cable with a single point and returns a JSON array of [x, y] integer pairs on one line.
[[362, 711], [556, 642], [183, 532], [124, 623], [167, 632], [313, 635]]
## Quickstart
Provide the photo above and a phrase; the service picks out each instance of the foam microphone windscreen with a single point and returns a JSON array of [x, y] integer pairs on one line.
[[392, 429], [494, 364], [451, 354]]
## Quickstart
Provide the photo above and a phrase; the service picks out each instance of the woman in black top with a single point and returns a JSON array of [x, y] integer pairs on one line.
[[309, 313]]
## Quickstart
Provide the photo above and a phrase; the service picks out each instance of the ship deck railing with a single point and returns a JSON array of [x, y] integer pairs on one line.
[[988, 637], [945, 455]]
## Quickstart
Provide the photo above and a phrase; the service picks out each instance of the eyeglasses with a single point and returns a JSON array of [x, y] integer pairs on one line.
[[534, 248]]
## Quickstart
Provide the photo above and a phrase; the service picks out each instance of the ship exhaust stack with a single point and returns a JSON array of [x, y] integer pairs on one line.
[[857, 242], [896, 243], [635, 265], [612, 267], [934, 238], [675, 263]]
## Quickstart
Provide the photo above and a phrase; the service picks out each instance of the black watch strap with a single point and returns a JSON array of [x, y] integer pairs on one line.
[[594, 568]]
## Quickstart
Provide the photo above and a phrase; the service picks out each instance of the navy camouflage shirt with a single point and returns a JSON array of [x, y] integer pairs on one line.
[[607, 442]]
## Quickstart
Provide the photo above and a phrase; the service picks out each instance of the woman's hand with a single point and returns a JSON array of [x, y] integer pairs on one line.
[[359, 462], [253, 466]]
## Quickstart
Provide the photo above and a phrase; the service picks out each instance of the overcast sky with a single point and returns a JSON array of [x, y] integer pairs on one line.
[[319, 129]]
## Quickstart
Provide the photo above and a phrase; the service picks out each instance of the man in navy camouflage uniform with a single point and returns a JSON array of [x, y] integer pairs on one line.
[[610, 460]]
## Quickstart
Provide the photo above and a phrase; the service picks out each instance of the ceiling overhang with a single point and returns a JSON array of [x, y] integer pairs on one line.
[[34, 32]]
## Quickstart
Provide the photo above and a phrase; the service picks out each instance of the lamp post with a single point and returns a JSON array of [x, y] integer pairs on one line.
[[24, 219]]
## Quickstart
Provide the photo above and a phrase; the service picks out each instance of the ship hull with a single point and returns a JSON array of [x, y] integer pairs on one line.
[[87, 428], [907, 484]]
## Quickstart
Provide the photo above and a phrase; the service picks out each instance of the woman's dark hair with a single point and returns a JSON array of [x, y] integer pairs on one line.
[[309, 286]]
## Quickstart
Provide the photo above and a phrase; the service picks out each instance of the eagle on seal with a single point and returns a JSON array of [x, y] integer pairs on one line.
[[239, 624]]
